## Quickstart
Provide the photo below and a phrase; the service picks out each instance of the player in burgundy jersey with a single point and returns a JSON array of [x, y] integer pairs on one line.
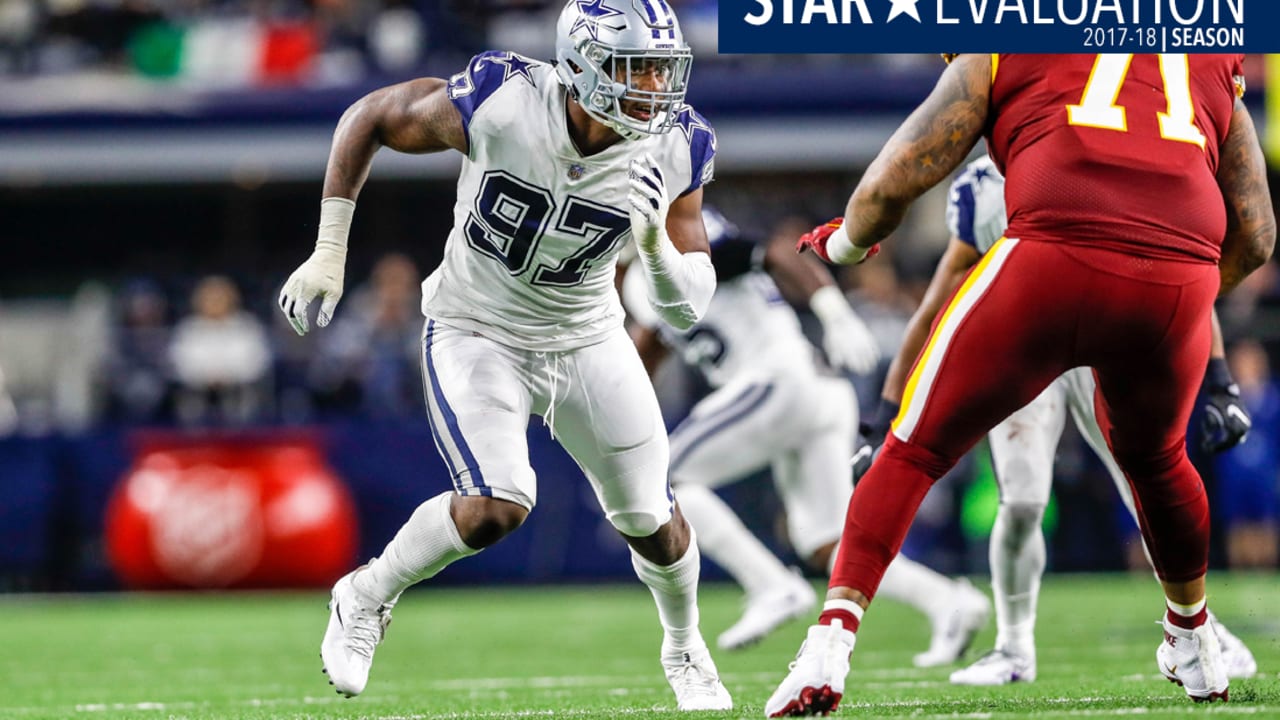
[[1137, 193]]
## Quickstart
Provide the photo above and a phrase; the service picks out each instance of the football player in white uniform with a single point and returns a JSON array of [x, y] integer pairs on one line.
[[564, 163], [1023, 446], [772, 406]]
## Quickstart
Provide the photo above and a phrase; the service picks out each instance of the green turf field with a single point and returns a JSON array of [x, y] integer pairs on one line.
[[578, 653]]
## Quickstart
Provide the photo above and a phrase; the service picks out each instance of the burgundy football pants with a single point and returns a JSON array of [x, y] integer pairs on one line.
[[1028, 312]]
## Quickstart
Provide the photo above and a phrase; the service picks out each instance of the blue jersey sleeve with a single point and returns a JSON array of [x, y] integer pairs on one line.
[[961, 206], [702, 148], [486, 72]]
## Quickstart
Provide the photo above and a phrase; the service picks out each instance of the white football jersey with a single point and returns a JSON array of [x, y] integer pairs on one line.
[[537, 226], [749, 328], [975, 205]]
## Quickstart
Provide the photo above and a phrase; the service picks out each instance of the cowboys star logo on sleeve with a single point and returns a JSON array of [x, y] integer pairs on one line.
[[515, 65]]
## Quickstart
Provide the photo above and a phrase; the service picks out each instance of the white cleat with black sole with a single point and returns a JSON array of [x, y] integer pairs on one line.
[[696, 682], [356, 626]]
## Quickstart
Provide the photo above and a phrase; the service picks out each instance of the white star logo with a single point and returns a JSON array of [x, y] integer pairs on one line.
[[690, 122], [904, 7]]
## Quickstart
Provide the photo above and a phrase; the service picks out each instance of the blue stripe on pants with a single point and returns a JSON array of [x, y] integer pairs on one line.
[[699, 429], [451, 424]]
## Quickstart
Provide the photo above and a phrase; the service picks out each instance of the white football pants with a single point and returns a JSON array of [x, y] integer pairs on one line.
[[800, 424], [1022, 454], [1024, 445], [597, 400]]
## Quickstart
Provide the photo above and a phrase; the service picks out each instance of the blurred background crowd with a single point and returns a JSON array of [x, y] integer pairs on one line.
[[256, 41], [160, 168]]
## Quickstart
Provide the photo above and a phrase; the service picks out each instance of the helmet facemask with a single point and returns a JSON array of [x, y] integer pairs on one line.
[[636, 90]]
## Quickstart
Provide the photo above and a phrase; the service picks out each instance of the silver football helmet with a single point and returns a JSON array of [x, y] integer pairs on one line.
[[625, 62]]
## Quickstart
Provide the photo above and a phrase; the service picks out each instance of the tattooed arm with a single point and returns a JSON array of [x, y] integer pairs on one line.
[[1251, 221], [931, 144], [412, 117]]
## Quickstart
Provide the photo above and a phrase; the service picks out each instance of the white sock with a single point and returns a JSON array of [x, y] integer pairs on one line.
[[848, 606], [1017, 558], [728, 543], [425, 545], [928, 591], [675, 589], [1185, 610]]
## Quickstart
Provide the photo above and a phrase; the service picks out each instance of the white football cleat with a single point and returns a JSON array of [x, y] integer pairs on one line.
[[954, 630], [696, 683], [1192, 659], [768, 611], [1236, 656], [356, 626], [815, 684], [997, 667]]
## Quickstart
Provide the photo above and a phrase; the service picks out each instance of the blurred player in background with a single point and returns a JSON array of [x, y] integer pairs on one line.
[[1248, 494], [1024, 444], [773, 406], [563, 163], [1129, 211]]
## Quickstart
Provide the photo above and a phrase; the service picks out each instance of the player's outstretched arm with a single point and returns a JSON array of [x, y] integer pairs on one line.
[[929, 145], [1251, 221], [797, 276], [846, 340], [412, 117], [955, 263]]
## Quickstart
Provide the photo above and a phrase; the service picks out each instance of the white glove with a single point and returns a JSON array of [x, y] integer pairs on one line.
[[649, 204], [321, 275], [846, 339]]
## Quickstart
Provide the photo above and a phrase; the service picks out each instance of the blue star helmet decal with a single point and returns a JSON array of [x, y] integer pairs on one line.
[[593, 11], [603, 48]]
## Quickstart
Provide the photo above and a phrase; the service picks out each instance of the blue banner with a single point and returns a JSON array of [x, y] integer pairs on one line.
[[1042, 26]]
